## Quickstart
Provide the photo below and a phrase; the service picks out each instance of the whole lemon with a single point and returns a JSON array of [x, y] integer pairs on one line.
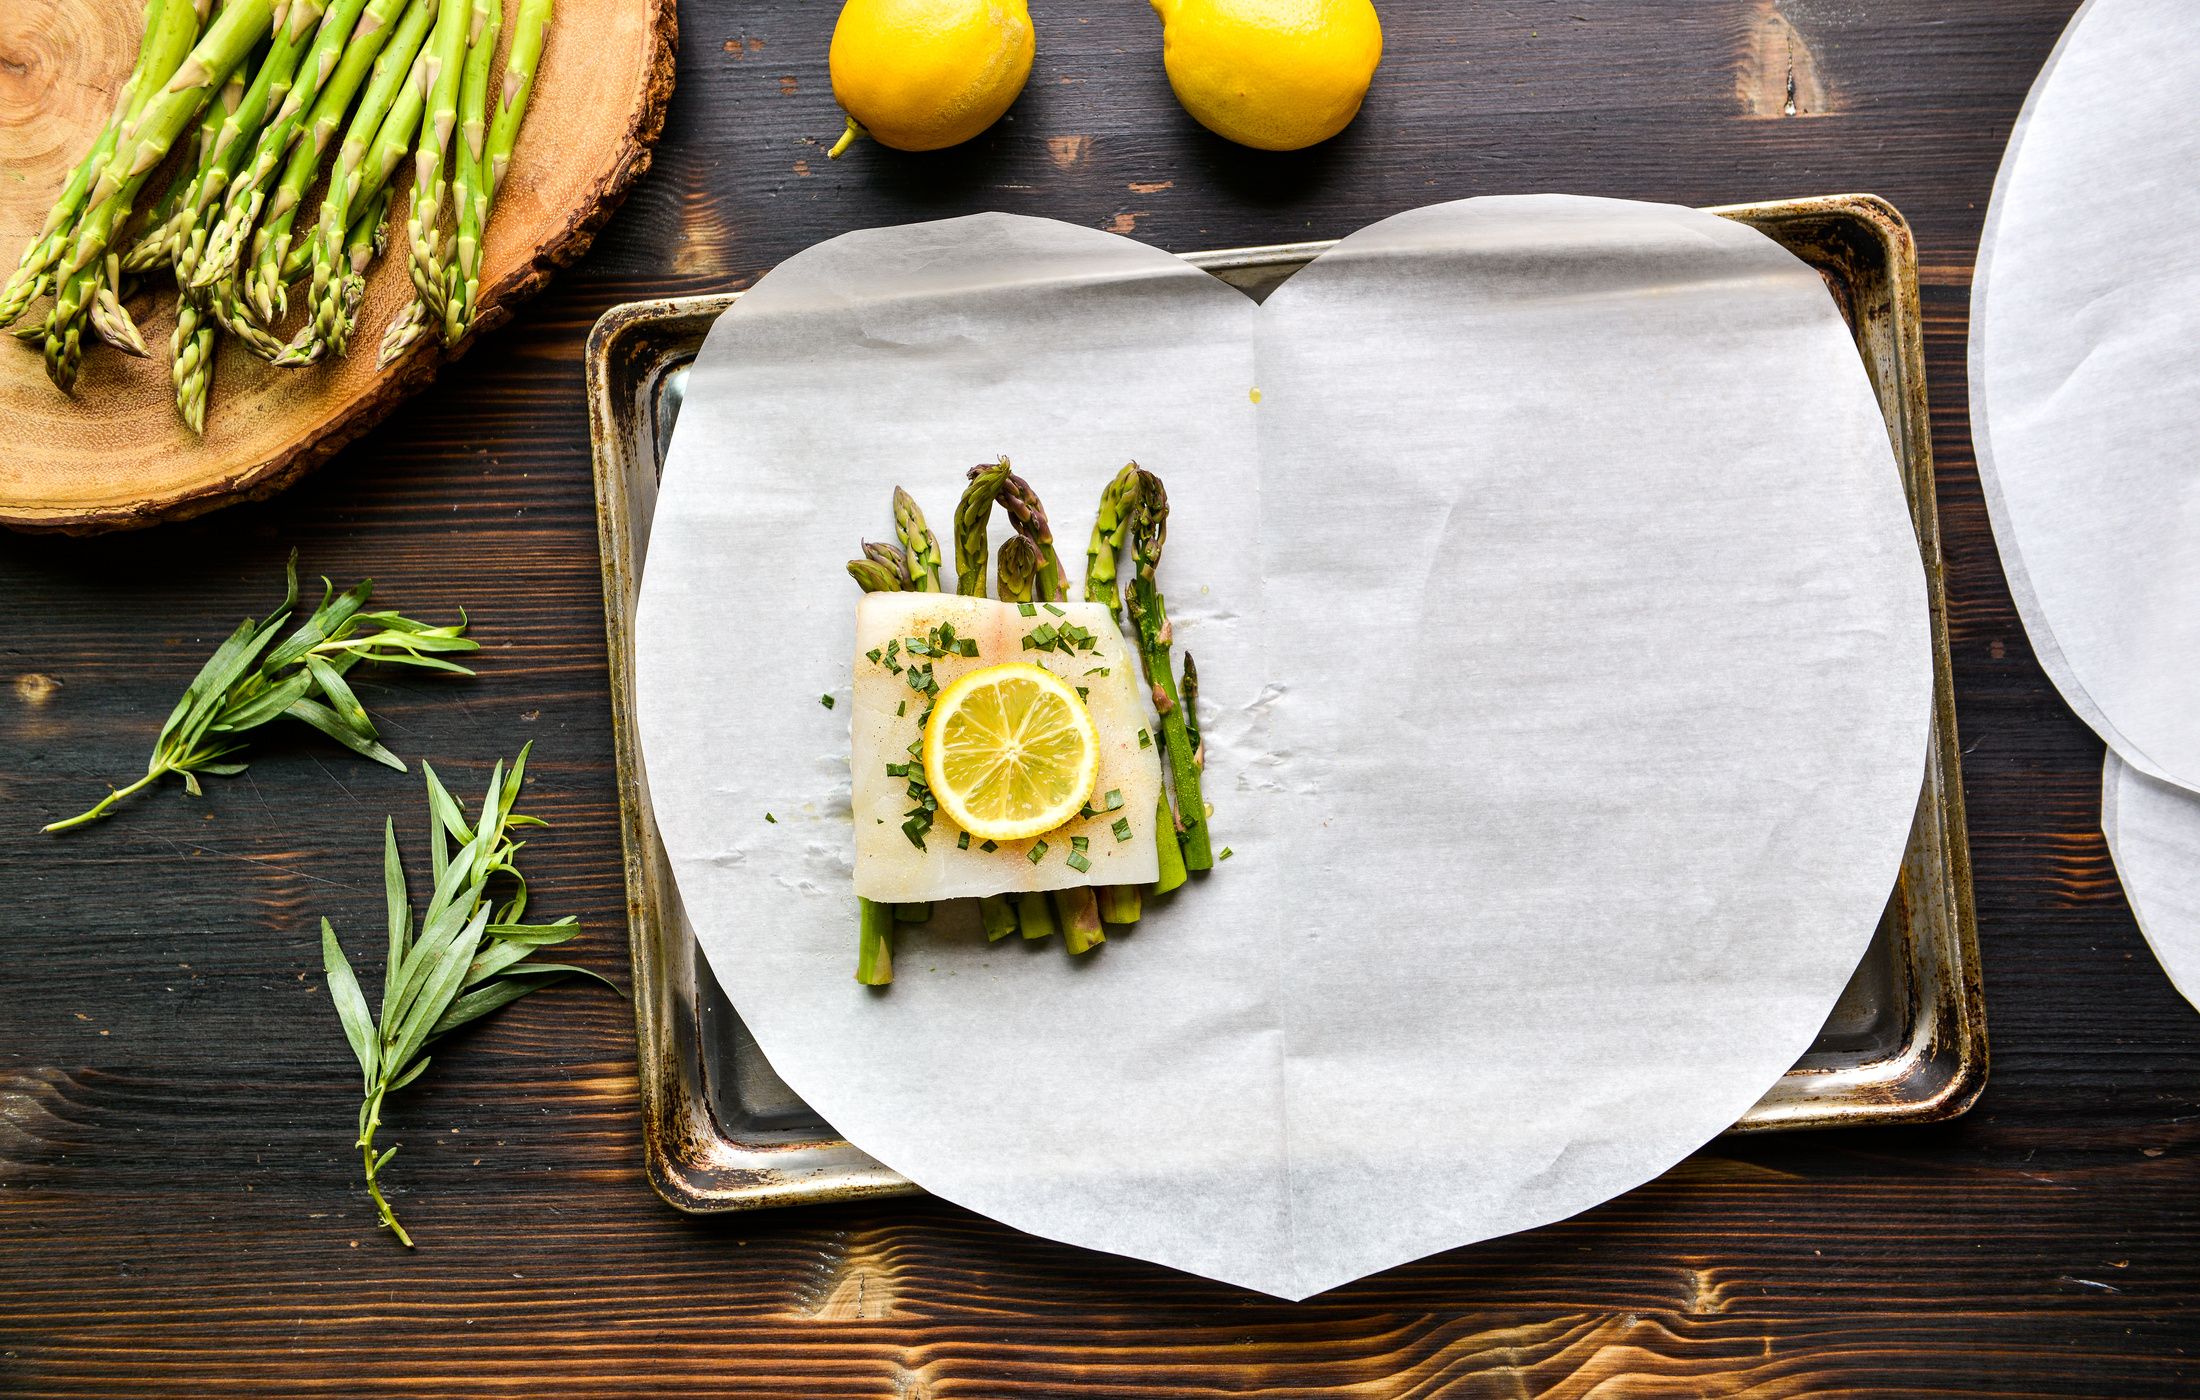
[[920, 75], [1276, 75]]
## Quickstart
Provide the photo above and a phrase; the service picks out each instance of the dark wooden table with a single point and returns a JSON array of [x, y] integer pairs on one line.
[[180, 1210]]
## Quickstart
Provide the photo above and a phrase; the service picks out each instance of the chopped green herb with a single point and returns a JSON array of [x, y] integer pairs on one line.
[[1027, 610], [962, 840], [901, 709], [914, 828], [1224, 854], [875, 654], [989, 846], [1083, 693], [1145, 740], [966, 647], [1056, 611], [898, 770], [1113, 800], [1037, 852], [1122, 828], [1088, 810], [1097, 671], [826, 701], [772, 819], [1077, 862], [1080, 843], [919, 647]]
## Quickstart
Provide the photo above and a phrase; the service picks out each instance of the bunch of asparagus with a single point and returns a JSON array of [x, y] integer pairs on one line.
[[1134, 512], [234, 105]]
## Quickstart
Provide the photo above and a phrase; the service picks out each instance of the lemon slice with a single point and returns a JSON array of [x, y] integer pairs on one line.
[[1011, 752]]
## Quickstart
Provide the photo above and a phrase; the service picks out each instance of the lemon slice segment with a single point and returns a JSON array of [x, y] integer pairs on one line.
[[1011, 752]]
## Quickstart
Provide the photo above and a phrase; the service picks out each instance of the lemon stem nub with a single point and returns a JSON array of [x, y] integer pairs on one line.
[[847, 139], [875, 948]]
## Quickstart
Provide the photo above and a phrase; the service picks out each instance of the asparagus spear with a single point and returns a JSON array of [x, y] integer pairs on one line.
[[1019, 568], [76, 267], [332, 251], [1029, 519], [388, 146], [431, 164], [874, 574], [262, 281], [144, 144], [33, 271], [110, 318], [1170, 853], [874, 943], [470, 172], [529, 32], [235, 141], [972, 514], [510, 108], [884, 568], [1149, 614], [191, 366], [918, 542], [248, 193], [1034, 914], [1110, 528]]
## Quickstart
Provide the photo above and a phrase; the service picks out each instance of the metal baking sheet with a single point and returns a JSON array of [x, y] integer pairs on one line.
[[1906, 1043]]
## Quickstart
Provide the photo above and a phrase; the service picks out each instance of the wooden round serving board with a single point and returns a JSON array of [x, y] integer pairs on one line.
[[116, 455]]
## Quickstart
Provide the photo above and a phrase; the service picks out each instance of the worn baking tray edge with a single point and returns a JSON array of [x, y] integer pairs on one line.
[[1935, 1074]]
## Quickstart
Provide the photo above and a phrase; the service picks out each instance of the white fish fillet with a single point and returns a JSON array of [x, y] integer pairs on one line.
[[892, 870]]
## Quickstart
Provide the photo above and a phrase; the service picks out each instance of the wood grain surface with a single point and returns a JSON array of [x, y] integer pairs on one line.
[[116, 454], [179, 1208]]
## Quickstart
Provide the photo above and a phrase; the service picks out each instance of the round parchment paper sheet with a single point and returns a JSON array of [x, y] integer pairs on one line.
[[2153, 831], [2085, 379], [1565, 678]]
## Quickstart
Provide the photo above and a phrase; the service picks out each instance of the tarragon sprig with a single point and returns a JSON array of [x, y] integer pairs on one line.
[[252, 679], [468, 958]]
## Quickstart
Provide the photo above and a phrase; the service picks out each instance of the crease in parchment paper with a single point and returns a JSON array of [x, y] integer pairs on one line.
[[1565, 681]]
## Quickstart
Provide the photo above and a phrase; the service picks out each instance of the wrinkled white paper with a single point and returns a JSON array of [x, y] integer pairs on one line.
[[2085, 379], [1562, 638], [2153, 831]]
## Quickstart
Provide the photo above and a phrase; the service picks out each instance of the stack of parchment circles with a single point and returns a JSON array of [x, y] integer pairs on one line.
[[2085, 403]]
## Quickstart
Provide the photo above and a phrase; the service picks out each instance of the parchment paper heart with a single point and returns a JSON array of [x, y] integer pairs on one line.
[[1563, 642]]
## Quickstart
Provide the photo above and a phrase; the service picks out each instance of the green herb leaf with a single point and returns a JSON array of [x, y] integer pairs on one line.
[[351, 1005], [1113, 800], [1080, 843], [1122, 828], [1037, 852], [1076, 861], [826, 701]]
